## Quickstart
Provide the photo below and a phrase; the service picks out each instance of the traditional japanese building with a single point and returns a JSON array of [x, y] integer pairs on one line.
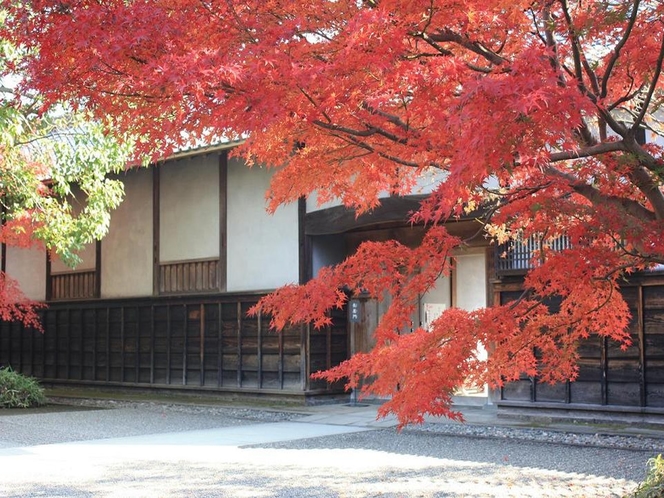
[[162, 301]]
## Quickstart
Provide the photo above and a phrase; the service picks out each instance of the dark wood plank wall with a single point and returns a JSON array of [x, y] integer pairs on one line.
[[196, 343], [608, 375]]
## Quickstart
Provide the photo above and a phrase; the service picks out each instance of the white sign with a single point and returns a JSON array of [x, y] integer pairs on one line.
[[431, 311]]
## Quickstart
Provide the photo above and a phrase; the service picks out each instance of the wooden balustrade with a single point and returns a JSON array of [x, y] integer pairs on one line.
[[73, 285], [195, 276], [516, 256]]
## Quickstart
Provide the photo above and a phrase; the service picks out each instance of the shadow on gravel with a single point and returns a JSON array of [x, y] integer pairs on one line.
[[50, 408]]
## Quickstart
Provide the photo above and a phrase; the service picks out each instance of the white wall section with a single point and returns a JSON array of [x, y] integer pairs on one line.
[[262, 249], [126, 261]]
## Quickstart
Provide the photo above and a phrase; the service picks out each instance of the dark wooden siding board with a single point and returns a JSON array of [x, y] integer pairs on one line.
[[152, 344], [185, 324], [280, 338], [239, 344], [68, 335], [202, 348], [122, 344], [82, 345], [259, 351], [97, 281], [168, 345], [108, 344], [43, 345], [267, 362], [220, 346], [304, 356]]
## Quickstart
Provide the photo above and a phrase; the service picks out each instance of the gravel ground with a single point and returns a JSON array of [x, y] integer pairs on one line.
[[597, 439], [460, 466], [110, 419], [433, 460]]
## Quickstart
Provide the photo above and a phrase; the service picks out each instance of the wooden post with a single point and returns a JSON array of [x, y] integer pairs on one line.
[[642, 347], [184, 345], [152, 344], [202, 348], [239, 344], [168, 344], [220, 346]]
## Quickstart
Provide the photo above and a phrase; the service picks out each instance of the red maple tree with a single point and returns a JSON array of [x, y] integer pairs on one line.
[[530, 111]]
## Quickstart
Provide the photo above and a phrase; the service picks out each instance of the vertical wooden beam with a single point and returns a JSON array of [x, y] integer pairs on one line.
[[95, 332], [304, 357], [81, 342], [280, 339], [152, 344], [108, 344], [32, 352], [168, 344], [604, 369], [223, 221], [137, 354], [642, 347], [185, 326], [328, 346], [202, 348], [43, 345], [21, 333], [568, 392], [122, 343], [56, 359], [490, 273], [155, 229], [97, 289], [259, 351], [302, 241], [239, 344], [48, 292], [220, 347], [68, 332], [3, 246], [453, 286]]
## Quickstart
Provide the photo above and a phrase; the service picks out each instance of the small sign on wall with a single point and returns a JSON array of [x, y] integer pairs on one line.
[[354, 311], [431, 312]]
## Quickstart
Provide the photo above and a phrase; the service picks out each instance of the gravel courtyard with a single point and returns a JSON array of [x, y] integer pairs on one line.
[[153, 450]]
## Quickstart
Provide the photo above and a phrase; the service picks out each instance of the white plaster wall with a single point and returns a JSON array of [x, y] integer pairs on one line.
[[126, 252], [262, 249], [471, 280], [88, 260], [471, 287], [28, 268], [189, 209]]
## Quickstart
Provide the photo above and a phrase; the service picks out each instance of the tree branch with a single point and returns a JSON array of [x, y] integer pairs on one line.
[[447, 35], [593, 150], [651, 90], [619, 46], [595, 196]]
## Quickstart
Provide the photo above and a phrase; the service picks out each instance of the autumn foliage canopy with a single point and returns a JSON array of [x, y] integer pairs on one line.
[[528, 113]]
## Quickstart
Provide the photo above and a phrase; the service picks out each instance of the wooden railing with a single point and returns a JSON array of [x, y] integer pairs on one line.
[[73, 285], [516, 256], [189, 276]]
